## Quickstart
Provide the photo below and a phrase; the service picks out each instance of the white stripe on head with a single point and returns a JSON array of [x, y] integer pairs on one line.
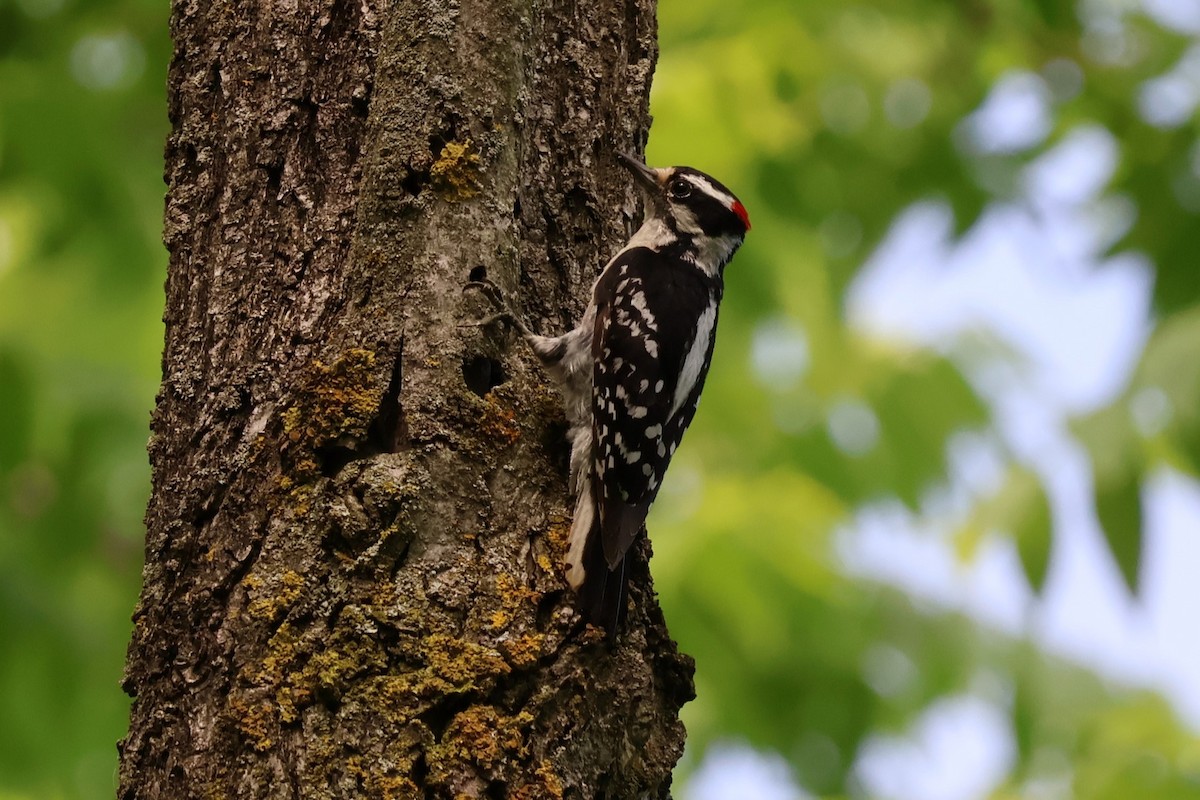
[[705, 186]]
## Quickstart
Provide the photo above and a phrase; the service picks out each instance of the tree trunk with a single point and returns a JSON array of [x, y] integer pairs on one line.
[[353, 561]]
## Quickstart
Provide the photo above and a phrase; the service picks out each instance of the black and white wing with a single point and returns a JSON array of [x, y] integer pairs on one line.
[[652, 344]]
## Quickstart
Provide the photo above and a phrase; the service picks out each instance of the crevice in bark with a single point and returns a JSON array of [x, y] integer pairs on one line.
[[389, 433], [419, 770], [440, 715], [331, 458]]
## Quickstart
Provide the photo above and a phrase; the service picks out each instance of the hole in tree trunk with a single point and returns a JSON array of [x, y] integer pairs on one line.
[[482, 374]]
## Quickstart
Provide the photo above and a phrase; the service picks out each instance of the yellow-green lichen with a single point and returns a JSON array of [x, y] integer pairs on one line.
[[331, 670], [254, 718], [451, 666], [337, 403], [498, 424], [350, 651], [557, 536], [391, 787], [394, 695], [214, 789], [273, 604], [456, 172], [524, 651], [462, 664], [301, 496], [278, 688], [545, 785], [480, 736], [258, 704], [514, 596]]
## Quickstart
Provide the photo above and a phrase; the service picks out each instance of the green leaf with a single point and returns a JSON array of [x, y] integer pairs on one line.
[[1032, 530], [1020, 509], [1119, 508]]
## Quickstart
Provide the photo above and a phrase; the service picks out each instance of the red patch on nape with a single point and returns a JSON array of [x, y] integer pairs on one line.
[[740, 210]]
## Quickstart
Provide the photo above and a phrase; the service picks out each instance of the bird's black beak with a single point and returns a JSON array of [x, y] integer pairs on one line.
[[647, 178]]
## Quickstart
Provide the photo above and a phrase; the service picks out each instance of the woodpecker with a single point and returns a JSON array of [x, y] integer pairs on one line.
[[632, 371]]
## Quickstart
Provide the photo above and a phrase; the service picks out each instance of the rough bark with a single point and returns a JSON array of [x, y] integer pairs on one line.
[[352, 582]]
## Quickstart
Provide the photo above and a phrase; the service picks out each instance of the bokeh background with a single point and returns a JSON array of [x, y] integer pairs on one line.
[[935, 533]]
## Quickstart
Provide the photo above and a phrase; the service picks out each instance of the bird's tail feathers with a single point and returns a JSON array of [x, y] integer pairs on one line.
[[601, 590], [602, 596]]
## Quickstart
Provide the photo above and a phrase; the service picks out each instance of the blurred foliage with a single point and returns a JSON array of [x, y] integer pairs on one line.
[[82, 125], [829, 120]]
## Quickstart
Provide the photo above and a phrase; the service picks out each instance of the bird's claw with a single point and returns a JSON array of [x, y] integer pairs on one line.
[[499, 316], [495, 296], [489, 290]]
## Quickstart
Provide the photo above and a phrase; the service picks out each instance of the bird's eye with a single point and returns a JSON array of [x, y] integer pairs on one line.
[[679, 189]]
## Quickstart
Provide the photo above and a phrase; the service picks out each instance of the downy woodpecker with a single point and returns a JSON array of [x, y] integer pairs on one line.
[[631, 372]]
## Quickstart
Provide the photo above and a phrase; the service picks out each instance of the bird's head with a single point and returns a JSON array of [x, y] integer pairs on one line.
[[690, 202]]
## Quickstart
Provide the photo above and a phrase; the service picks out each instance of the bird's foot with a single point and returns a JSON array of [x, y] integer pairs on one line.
[[502, 313]]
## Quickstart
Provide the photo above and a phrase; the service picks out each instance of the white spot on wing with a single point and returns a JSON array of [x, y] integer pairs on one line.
[[638, 301]]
